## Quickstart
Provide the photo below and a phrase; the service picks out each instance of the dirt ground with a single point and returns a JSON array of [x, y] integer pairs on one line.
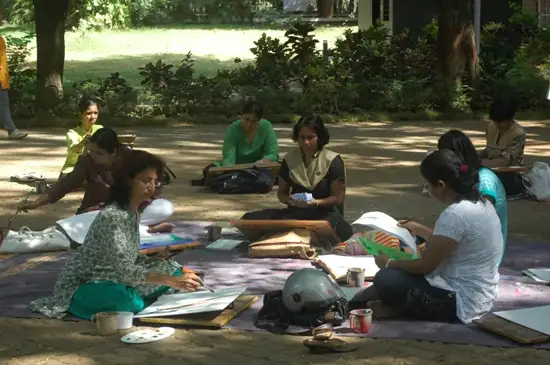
[[382, 169]]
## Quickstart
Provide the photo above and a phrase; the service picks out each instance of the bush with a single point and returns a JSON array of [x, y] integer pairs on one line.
[[368, 71]]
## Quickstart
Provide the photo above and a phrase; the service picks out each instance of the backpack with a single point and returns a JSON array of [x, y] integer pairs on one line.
[[246, 181], [276, 318]]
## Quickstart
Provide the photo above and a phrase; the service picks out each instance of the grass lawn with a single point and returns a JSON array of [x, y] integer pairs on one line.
[[97, 54]]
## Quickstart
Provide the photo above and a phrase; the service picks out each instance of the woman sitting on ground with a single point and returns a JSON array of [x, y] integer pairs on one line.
[[314, 169], [105, 156], [107, 273], [489, 186], [249, 140], [457, 275], [78, 137], [505, 145]]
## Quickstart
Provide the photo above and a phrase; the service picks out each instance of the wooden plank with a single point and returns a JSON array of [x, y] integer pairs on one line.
[[209, 320], [513, 331], [511, 169], [129, 139], [322, 229], [178, 247], [213, 172]]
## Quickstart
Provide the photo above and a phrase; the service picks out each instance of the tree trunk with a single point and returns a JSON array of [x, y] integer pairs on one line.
[[456, 46], [50, 43]]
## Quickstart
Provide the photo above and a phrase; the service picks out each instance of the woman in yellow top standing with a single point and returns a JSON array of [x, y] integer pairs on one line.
[[5, 114], [77, 137]]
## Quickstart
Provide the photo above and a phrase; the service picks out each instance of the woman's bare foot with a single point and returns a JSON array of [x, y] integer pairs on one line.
[[381, 310], [163, 227]]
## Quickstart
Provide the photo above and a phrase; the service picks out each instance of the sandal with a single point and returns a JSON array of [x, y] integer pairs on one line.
[[330, 345]]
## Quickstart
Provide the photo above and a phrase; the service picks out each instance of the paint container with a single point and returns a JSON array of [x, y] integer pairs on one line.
[[214, 233], [106, 322], [41, 186], [125, 320], [356, 277], [323, 332], [360, 320]]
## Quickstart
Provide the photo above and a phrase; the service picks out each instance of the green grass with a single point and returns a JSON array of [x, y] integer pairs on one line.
[[97, 54]]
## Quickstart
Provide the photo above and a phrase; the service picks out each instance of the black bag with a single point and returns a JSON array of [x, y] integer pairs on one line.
[[246, 181], [275, 317]]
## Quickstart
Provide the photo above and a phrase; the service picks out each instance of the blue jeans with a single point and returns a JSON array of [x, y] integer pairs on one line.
[[5, 114], [414, 294]]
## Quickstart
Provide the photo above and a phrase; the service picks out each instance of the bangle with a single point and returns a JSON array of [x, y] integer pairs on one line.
[[388, 263]]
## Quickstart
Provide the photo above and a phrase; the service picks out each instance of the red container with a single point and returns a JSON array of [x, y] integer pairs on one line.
[[360, 320]]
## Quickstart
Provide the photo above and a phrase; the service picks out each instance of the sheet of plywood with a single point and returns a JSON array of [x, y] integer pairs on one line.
[[209, 320], [510, 330], [536, 318], [321, 228]]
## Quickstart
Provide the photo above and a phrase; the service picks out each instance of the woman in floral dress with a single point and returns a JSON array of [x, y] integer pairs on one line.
[[108, 273]]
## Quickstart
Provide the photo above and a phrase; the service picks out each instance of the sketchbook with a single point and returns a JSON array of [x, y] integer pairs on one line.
[[224, 244], [542, 275], [383, 222], [536, 318], [337, 265], [202, 301]]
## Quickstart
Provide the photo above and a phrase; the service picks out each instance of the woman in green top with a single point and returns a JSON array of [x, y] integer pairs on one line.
[[77, 137], [248, 140]]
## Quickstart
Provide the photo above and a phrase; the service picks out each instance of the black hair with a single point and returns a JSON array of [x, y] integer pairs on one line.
[[503, 109], [459, 143], [106, 139], [315, 122], [135, 162], [253, 107], [447, 166], [85, 103]]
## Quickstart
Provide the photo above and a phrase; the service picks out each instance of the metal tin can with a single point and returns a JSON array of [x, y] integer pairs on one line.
[[360, 320]]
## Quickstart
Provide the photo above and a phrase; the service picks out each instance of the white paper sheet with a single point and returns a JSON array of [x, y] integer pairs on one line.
[[224, 244], [339, 265], [541, 275], [383, 222], [537, 318], [191, 303], [78, 225]]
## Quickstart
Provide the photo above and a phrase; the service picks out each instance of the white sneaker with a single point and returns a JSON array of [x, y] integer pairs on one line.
[[17, 134]]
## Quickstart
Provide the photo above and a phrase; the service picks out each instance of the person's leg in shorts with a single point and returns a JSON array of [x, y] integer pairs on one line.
[[404, 294]]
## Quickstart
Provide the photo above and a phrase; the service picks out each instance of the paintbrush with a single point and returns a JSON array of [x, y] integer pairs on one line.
[[18, 210], [205, 286]]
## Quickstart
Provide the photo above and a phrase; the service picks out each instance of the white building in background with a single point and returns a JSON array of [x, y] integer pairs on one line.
[[291, 6]]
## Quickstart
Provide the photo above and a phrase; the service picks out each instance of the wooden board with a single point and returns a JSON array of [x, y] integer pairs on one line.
[[322, 229], [171, 248], [128, 139], [213, 172], [511, 169], [209, 320], [513, 331]]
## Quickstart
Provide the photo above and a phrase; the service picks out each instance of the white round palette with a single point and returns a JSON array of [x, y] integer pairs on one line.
[[148, 335]]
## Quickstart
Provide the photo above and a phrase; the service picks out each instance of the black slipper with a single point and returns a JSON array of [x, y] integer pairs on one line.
[[197, 182], [330, 345]]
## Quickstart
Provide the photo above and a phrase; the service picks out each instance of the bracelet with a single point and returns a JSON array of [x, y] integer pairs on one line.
[[388, 263]]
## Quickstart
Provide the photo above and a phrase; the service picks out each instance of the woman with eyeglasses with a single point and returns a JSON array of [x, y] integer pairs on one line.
[[105, 155], [108, 274]]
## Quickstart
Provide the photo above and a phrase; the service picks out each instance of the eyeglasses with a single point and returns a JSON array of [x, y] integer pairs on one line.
[[156, 184]]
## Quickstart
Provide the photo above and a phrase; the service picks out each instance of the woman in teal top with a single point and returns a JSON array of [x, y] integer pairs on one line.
[[490, 185], [248, 140]]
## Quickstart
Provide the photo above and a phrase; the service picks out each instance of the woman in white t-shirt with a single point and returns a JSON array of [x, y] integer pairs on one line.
[[457, 275]]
